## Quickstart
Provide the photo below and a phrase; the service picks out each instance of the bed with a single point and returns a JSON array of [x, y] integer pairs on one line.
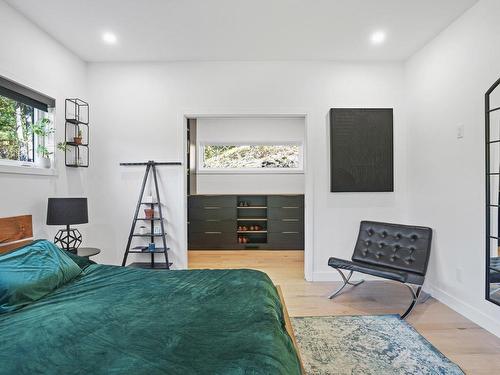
[[120, 320]]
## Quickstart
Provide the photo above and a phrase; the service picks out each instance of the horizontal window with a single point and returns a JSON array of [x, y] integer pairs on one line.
[[25, 124], [251, 157]]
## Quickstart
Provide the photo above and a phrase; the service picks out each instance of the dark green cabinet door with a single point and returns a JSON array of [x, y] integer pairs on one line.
[[285, 201], [211, 240], [286, 240], [285, 225]]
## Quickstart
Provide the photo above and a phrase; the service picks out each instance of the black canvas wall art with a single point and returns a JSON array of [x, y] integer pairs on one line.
[[361, 150]]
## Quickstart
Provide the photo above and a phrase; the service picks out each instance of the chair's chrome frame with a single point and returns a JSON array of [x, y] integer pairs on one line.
[[414, 293], [346, 282]]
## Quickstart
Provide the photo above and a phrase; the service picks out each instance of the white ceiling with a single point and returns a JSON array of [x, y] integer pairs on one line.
[[166, 30]]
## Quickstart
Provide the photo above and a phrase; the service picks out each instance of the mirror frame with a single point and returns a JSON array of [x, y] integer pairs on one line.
[[488, 175]]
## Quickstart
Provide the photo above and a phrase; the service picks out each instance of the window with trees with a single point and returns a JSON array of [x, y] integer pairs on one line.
[[253, 156], [25, 124]]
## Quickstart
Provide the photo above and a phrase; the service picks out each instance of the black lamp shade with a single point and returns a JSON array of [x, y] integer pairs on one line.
[[67, 211]]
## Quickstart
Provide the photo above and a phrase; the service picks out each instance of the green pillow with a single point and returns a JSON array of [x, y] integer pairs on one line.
[[31, 272], [82, 262]]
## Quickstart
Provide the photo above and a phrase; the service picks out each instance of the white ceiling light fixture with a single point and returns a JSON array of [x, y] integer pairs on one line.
[[378, 37], [109, 38]]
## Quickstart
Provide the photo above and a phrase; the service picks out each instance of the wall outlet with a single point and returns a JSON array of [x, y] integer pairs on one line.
[[460, 131]]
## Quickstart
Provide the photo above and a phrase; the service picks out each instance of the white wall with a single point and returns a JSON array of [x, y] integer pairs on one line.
[[252, 130], [137, 115], [31, 58], [446, 83]]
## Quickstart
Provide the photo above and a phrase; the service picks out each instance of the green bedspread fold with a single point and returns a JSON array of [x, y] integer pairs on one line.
[[114, 320]]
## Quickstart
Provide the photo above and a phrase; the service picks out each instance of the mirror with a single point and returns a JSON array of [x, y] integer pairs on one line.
[[493, 193]]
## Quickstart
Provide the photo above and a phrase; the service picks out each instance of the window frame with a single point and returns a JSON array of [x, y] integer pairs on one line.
[[36, 100], [203, 170]]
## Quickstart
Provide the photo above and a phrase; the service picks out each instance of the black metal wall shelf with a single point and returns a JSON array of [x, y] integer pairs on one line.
[[76, 133]]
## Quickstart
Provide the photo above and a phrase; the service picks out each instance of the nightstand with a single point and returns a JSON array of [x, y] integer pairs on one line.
[[87, 252]]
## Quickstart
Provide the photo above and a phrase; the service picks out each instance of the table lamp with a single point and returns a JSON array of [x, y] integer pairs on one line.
[[67, 211]]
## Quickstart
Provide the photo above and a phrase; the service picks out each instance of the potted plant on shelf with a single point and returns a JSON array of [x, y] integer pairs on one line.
[[149, 212], [78, 139], [42, 130]]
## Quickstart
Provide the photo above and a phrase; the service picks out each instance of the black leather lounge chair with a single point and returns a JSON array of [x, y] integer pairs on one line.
[[391, 251]]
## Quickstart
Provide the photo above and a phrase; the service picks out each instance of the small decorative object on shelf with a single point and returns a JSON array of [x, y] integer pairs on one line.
[[143, 230], [76, 136], [149, 213]]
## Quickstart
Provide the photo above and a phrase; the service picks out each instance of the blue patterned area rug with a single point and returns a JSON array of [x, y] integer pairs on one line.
[[367, 345]]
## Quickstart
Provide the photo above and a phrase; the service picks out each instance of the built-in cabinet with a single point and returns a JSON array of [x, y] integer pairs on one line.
[[232, 222]]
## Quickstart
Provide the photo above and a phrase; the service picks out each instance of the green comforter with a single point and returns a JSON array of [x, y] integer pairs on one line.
[[114, 320]]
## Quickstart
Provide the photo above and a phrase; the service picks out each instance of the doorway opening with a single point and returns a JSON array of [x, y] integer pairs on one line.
[[245, 187]]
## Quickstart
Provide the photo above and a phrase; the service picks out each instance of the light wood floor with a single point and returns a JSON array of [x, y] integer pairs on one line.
[[474, 349]]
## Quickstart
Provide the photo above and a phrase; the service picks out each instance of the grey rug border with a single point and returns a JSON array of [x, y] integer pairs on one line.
[[426, 342]]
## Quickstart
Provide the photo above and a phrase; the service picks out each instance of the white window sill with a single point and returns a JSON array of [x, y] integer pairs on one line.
[[19, 169], [251, 171]]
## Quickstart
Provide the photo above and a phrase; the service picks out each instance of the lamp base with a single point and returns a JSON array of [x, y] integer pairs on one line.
[[68, 239]]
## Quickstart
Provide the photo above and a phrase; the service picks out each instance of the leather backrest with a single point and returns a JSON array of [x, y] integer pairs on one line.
[[396, 246]]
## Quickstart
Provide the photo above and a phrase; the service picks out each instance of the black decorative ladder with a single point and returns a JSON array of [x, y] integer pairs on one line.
[[150, 167]]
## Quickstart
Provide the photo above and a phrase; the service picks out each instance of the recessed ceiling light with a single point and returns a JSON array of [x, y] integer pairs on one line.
[[378, 37], [109, 38]]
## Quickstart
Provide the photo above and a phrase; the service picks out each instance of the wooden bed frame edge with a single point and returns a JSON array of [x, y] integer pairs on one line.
[[289, 328], [15, 231]]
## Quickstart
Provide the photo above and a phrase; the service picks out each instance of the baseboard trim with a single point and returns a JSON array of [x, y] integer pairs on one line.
[[465, 309]]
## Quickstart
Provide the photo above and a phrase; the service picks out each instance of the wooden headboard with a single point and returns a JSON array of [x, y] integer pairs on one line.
[[15, 231]]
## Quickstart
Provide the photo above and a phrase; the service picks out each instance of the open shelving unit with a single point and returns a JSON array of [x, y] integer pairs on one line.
[[155, 206], [267, 222], [251, 220], [76, 133]]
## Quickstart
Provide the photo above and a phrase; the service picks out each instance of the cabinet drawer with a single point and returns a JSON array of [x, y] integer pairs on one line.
[[212, 240], [285, 225], [212, 213], [212, 225], [285, 201], [289, 212], [286, 240], [212, 201]]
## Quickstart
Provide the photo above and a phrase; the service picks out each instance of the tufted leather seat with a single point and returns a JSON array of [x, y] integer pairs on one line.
[[384, 272], [391, 251]]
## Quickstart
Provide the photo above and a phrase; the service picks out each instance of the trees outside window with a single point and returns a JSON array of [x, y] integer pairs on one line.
[[252, 156], [16, 136]]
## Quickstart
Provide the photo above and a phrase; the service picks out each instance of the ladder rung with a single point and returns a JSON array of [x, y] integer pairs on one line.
[[149, 235], [145, 218], [146, 251], [145, 247], [158, 266]]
